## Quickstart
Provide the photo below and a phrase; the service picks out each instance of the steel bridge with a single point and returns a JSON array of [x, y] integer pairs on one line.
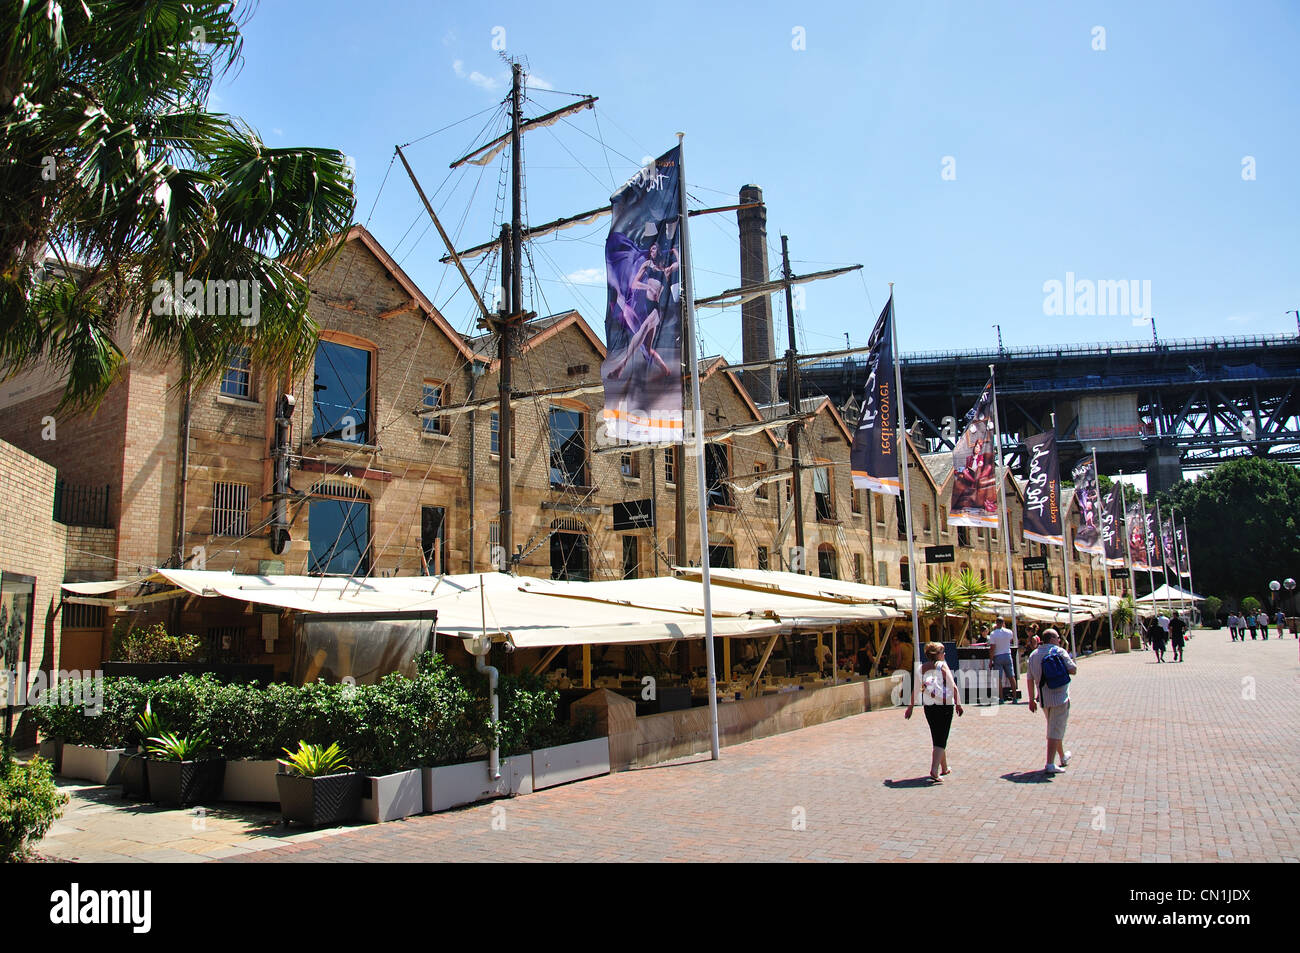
[[1158, 407]]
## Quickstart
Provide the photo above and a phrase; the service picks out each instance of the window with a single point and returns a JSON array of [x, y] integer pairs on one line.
[[229, 509], [433, 539], [341, 407], [670, 465], [722, 556], [569, 554], [880, 510], [822, 497], [631, 557], [826, 563], [568, 448], [760, 491], [943, 520], [435, 395], [963, 535], [904, 574], [882, 573], [925, 516], [855, 501], [630, 465], [237, 378], [858, 561], [763, 559], [901, 516], [338, 520], [717, 471], [83, 617], [494, 434], [983, 577]]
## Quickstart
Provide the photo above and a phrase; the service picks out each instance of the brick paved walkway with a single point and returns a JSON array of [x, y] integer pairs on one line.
[[1172, 762]]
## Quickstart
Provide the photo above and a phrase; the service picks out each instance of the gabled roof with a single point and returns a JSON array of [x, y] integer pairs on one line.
[[712, 365], [360, 233], [535, 332]]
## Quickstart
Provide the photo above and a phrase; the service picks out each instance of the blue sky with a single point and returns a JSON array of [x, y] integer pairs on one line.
[[1122, 163]]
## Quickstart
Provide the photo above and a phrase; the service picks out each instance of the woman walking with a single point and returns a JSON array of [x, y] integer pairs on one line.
[[939, 700], [1157, 636]]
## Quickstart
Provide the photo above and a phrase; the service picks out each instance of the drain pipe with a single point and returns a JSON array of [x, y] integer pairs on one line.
[[480, 645]]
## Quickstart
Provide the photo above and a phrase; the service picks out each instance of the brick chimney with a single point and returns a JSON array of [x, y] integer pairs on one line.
[[756, 316]]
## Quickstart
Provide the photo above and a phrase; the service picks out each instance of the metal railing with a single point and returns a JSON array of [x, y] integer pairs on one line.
[[81, 505]]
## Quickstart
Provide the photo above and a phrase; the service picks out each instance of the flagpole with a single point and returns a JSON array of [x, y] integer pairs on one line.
[[905, 487], [1178, 565], [1105, 569], [1151, 575], [1066, 544], [1164, 558], [1128, 553], [1188, 553], [1006, 524], [688, 342]]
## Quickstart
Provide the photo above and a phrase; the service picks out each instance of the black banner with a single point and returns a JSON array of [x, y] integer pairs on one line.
[[874, 457], [1035, 564], [1043, 490], [939, 554], [1088, 496], [1119, 574], [1112, 522]]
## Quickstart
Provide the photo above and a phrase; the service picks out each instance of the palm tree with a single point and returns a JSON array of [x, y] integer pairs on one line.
[[111, 164], [1122, 618], [972, 595], [942, 599]]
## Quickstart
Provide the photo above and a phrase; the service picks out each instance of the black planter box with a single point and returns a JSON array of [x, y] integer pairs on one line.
[[185, 782], [135, 777], [319, 802], [52, 751]]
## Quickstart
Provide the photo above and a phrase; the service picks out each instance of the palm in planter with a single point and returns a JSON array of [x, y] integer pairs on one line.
[[972, 595], [318, 788], [178, 774], [942, 599], [135, 775]]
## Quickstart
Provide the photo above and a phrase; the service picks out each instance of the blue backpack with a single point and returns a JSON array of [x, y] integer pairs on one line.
[[1055, 672]]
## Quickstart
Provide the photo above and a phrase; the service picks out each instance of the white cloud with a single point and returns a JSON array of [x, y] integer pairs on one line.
[[475, 77], [587, 276], [536, 82], [449, 38], [278, 132]]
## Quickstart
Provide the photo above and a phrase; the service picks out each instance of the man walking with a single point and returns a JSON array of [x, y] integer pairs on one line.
[[1050, 668], [1002, 643], [1232, 625], [1177, 636]]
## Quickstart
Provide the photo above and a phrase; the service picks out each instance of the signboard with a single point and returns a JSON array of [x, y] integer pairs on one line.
[[1035, 563], [634, 514], [939, 554], [1119, 574]]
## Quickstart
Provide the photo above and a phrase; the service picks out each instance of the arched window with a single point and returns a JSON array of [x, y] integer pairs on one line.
[[827, 567], [338, 527], [570, 557]]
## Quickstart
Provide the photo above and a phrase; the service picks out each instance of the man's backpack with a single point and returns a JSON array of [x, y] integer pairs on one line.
[[1055, 672]]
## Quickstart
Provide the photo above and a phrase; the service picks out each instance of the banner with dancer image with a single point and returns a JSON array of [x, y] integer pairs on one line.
[[974, 475], [1137, 536], [1155, 554], [1112, 524], [874, 457], [1088, 497], [643, 319], [1184, 560], [1167, 540], [1043, 490]]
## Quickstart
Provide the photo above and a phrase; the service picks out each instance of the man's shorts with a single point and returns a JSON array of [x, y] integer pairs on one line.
[[1058, 716], [1002, 663]]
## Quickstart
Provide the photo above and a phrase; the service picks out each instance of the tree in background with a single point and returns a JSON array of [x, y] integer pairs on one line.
[[111, 163], [1241, 526]]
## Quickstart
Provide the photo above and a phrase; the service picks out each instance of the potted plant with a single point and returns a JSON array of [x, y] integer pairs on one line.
[[134, 775], [318, 788], [1121, 620], [246, 725], [177, 775]]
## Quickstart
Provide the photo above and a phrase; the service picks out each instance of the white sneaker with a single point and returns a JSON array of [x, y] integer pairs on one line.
[[1065, 758], [1052, 769]]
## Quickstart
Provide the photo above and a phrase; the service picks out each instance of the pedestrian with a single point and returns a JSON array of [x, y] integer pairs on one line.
[[1232, 625], [1262, 619], [1002, 643], [1050, 668], [1252, 625], [1157, 636], [1280, 621], [1177, 633], [940, 701]]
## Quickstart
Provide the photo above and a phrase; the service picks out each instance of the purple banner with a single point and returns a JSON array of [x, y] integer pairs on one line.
[[974, 475], [1088, 497], [1043, 490]]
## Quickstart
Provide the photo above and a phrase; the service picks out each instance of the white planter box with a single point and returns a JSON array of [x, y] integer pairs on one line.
[[252, 782], [92, 764], [390, 797], [564, 763], [455, 784]]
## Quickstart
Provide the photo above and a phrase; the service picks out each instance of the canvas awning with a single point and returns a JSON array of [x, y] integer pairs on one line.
[[797, 584], [1168, 593]]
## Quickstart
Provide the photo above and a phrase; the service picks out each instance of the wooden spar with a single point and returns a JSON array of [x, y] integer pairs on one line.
[[792, 391], [441, 231], [748, 292], [486, 152]]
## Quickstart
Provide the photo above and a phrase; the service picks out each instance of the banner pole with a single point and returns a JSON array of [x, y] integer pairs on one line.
[[688, 313], [1151, 575], [1006, 524], [1187, 551], [1164, 558], [905, 487], [1105, 569]]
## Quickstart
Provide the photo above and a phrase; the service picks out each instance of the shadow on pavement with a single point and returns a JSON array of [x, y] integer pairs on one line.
[[921, 782], [1028, 777]]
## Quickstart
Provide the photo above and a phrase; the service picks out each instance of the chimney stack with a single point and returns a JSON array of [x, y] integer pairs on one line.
[[756, 315]]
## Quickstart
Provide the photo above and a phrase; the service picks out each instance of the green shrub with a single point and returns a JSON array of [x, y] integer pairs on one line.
[[1250, 605], [30, 803], [154, 644], [1210, 613]]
